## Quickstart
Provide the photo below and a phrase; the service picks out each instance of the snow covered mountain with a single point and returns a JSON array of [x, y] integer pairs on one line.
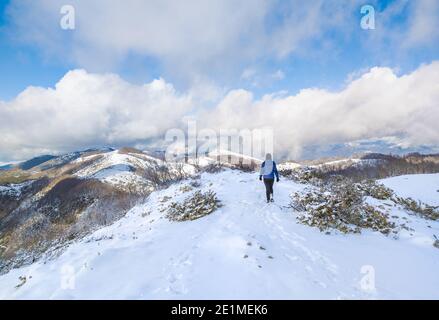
[[207, 233]]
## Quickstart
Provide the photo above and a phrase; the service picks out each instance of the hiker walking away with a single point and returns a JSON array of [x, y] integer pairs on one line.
[[268, 172]]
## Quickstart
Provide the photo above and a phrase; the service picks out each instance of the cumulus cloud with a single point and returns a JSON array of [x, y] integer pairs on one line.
[[85, 110], [377, 104]]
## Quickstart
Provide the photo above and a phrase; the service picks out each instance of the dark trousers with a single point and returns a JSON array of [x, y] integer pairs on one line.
[[268, 187]]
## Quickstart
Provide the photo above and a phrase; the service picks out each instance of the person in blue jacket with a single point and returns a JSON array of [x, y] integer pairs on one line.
[[267, 173]]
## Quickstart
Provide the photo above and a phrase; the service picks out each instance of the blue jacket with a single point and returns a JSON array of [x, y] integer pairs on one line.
[[273, 172]]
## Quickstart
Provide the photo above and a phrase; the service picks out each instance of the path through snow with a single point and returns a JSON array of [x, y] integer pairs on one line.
[[245, 250]]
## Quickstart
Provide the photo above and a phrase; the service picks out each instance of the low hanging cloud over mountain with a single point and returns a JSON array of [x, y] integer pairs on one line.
[[85, 110], [376, 105]]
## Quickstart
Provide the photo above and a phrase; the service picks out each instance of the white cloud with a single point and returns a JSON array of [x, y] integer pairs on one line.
[[405, 25], [85, 110], [183, 34], [189, 37], [424, 24], [217, 39], [378, 104]]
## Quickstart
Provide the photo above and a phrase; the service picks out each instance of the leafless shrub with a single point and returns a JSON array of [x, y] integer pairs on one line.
[[418, 207], [213, 168], [340, 205], [246, 167], [375, 190], [128, 150], [162, 175], [194, 207], [71, 209], [303, 175]]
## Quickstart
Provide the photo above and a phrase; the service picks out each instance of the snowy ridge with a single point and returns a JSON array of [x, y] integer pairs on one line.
[[423, 187], [254, 250], [355, 162], [112, 160], [222, 153]]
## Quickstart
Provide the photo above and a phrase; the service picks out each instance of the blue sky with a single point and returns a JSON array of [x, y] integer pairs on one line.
[[211, 58], [22, 65], [349, 49]]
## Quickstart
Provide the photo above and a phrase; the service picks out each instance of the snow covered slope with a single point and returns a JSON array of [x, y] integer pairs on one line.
[[424, 187], [119, 170], [247, 249]]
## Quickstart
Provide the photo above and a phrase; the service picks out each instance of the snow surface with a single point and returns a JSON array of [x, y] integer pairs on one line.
[[225, 152], [124, 179], [245, 250], [110, 160], [117, 170], [424, 187]]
